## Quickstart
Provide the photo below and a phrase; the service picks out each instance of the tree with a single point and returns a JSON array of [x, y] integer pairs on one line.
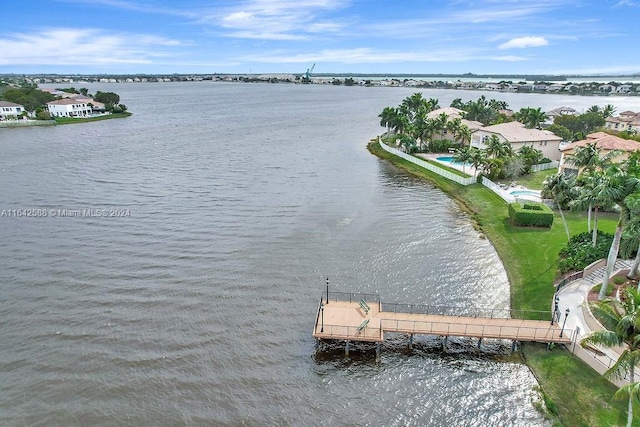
[[561, 131], [616, 186], [463, 155], [558, 187], [631, 235], [531, 117], [387, 118], [621, 318], [478, 160], [530, 156], [109, 99]]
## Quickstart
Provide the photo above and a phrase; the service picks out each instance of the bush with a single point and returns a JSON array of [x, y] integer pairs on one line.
[[530, 214], [579, 253]]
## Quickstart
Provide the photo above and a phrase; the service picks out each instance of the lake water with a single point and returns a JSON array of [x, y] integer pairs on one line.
[[196, 307]]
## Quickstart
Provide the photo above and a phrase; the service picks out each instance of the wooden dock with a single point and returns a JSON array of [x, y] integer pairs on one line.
[[360, 320]]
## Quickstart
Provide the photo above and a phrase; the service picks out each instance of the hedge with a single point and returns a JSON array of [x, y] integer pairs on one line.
[[530, 214]]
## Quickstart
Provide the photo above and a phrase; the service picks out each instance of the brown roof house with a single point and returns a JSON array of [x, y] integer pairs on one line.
[[604, 142], [519, 136], [625, 121]]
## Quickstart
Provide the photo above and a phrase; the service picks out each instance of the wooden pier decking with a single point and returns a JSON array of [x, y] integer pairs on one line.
[[351, 321]]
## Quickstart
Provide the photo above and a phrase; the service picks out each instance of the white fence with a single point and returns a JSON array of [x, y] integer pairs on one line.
[[545, 166], [431, 167], [498, 190]]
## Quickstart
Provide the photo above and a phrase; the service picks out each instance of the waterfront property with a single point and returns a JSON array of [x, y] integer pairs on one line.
[[68, 107], [10, 110], [626, 121], [519, 136], [353, 317], [604, 142]]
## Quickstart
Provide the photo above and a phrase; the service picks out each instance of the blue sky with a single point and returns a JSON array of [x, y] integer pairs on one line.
[[339, 36]]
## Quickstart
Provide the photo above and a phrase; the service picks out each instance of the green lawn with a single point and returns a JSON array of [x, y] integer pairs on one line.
[[534, 180], [70, 120], [530, 257]]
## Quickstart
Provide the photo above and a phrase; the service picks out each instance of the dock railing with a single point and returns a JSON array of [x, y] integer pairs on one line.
[[353, 297], [476, 330], [466, 311]]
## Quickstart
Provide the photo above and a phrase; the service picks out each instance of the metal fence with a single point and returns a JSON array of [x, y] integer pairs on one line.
[[465, 311]]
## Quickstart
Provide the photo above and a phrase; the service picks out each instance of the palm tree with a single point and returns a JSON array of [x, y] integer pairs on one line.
[[433, 104], [590, 195], [617, 185], [387, 117], [621, 318], [608, 111], [441, 124], [454, 126], [465, 134], [531, 117], [478, 160], [558, 187], [497, 148], [463, 155], [631, 235]]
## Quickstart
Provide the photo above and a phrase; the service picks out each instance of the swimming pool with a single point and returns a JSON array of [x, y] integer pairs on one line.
[[449, 159], [529, 193]]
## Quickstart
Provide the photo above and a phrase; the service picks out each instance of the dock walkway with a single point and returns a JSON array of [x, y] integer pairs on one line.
[[363, 319]]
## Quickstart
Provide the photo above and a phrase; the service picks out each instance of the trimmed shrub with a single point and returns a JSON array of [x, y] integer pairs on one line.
[[530, 214]]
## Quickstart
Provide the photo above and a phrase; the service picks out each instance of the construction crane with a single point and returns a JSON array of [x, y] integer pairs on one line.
[[307, 75]]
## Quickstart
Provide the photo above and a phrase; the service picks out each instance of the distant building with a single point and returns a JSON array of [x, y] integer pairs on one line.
[[519, 136], [69, 107], [10, 111], [625, 121], [603, 142]]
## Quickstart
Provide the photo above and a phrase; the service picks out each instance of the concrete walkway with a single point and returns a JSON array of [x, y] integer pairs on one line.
[[581, 322]]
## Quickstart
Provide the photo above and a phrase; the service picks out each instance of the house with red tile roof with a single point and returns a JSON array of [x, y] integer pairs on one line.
[[604, 142]]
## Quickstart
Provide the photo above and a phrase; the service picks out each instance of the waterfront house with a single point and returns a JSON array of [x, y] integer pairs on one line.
[[519, 136], [626, 121], [454, 113], [10, 111], [68, 107], [604, 142]]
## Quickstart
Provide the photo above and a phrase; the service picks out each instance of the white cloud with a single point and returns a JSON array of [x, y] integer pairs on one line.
[[523, 42], [65, 46], [277, 19]]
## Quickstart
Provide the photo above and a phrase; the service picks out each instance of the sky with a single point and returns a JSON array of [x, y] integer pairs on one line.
[[338, 36]]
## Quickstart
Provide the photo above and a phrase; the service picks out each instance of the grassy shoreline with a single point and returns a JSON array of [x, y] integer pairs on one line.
[[575, 395], [71, 120]]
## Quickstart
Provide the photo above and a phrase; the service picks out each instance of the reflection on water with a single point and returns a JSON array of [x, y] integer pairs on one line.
[[198, 308]]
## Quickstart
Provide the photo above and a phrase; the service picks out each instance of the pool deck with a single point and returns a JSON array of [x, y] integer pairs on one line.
[[505, 189], [434, 156]]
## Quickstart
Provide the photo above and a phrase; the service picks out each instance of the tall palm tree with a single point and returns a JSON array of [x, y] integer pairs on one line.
[[454, 126], [631, 235], [387, 117], [463, 155], [608, 111], [621, 318], [441, 124], [558, 187], [478, 160], [465, 135], [617, 185]]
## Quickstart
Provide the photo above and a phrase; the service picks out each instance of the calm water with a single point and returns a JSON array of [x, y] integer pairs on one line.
[[198, 307]]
